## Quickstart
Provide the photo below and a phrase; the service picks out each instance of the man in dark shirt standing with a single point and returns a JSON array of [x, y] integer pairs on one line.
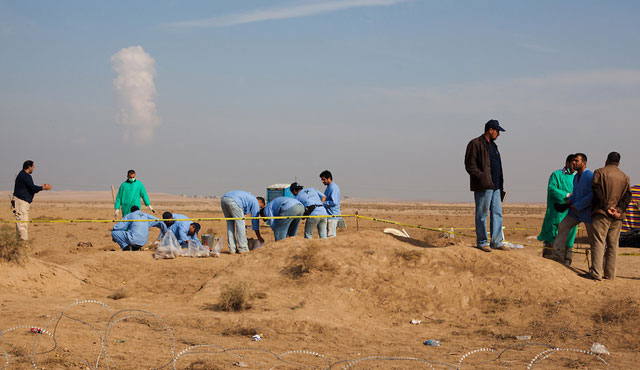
[[482, 162], [611, 196], [23, 193]]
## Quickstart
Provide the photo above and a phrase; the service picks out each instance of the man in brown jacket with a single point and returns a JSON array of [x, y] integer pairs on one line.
[[611, 196], [484, 166]]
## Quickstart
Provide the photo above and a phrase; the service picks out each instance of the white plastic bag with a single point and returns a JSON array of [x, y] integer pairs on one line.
[[168, 248], [217, 248], [196, 250], [599, 349]]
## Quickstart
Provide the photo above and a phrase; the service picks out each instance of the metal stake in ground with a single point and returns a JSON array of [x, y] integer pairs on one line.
[[357, 223], [113, 195]]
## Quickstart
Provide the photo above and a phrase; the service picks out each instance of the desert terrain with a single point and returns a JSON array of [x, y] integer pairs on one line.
[[340, 303]]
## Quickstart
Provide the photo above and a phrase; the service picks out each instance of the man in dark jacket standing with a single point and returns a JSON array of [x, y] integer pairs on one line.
[[23, 193], [611, 196], [482, 162]]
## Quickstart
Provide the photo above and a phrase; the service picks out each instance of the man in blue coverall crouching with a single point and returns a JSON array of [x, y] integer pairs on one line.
[[131, 236]]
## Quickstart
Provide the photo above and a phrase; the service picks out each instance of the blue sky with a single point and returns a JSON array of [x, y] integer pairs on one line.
[[384, 93]]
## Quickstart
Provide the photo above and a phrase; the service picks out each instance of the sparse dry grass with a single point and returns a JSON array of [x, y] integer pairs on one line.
[[44, 218], [409, 255], [299, 305], [118, 294], [502, 304], [306, 262], [618, 318], [203, 365], [240, 330], [552, 331], [12, 249], [618, 312], [233, 297]]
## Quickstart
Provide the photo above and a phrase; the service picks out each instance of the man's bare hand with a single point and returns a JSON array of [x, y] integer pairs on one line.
[[613, 212], [46, 186]]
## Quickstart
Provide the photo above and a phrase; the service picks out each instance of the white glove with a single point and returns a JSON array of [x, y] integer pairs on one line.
[[151, 209], [117, 212]]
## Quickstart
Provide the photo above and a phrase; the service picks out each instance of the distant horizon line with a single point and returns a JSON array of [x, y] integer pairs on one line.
[[203, 197]]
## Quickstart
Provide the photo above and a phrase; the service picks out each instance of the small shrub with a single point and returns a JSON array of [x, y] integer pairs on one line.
[[618, 312], [118, 294], [240, 330], [44, 218], [409, 256], [299, 305], [203, 365], [260, 295], [234, 297], [501, 304], [306, 262], [12, 248]]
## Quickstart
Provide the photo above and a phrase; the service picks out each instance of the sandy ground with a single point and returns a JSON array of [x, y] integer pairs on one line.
[[316, 303]]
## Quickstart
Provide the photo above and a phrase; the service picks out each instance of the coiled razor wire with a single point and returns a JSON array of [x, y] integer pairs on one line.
[[549, 352], [351, 363], [472, 353], [303, 352], [57, 320], [197, 349], [502, 362], [140, 313], [126, 314]]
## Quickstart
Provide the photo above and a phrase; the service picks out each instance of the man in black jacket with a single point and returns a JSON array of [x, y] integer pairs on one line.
[[23, 193], [482, 162]]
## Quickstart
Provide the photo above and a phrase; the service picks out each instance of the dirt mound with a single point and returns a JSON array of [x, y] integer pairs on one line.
[[346, 297], [363, 276], [37, 278], [378, 270], [351, 279]]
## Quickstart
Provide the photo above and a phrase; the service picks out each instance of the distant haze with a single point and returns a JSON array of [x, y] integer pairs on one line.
[[203, 98]]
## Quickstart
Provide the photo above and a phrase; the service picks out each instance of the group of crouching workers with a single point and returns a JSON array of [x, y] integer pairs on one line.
[[132, 235], [597, 199]]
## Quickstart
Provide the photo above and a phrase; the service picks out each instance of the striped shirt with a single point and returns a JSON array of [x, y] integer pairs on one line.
[[632, 214]]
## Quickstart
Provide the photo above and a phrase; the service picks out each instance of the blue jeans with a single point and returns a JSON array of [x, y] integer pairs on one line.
[[488, 202], [288, 226], [332, 225], [235, 228], [121, 237], [313, 223]]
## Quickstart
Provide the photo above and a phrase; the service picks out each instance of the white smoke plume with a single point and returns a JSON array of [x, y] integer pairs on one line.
[[135, 92]]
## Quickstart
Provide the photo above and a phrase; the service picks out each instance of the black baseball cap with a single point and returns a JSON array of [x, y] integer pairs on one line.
[[295, 186], [494, 124]]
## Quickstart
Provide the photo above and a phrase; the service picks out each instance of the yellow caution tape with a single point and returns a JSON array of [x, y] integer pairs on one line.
[[357, 216], [69, 221], [448, 231]]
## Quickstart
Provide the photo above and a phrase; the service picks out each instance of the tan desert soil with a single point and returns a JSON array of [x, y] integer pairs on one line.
[[345, 298]]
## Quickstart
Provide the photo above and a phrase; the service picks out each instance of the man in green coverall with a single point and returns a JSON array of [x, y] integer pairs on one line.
[[129, 195], [559, 189]]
